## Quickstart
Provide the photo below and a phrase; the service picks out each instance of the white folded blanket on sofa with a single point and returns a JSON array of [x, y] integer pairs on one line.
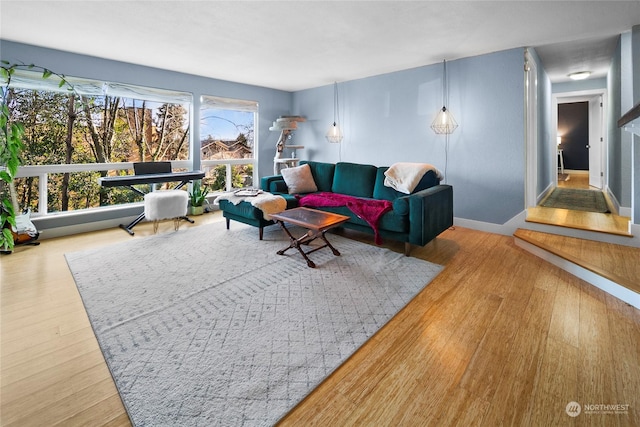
[[404, 177], [268, 203]]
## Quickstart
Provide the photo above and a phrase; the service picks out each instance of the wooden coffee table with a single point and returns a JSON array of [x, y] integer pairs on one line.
[[317, 224]]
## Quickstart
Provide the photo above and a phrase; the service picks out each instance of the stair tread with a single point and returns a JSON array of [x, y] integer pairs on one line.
[[589, 221], [618, 263]]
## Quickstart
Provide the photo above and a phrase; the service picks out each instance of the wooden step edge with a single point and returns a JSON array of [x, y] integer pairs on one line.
[[622, 281], [588, 227]]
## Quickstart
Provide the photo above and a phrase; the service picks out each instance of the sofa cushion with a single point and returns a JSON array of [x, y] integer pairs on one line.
[[299, 179], [401, 206], [391, 221], [292, 200], [354, 179], [322, 174], [278, 187], [243, 209], [381, 191], [428, 180]]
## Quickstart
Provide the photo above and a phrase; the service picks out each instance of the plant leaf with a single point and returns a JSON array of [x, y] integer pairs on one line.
[[8, 239], [8, 207]]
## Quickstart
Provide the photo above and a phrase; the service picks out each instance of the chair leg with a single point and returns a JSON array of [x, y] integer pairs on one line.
[[407, 248], [261, 232], [228, 221]]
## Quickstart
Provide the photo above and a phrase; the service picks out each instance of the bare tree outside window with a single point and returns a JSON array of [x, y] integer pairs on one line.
[[98, 129]]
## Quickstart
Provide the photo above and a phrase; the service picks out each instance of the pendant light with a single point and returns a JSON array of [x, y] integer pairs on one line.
[[444, 123], [334, 134]]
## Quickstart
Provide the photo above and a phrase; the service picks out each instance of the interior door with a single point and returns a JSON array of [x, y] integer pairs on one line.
[[595, 142]]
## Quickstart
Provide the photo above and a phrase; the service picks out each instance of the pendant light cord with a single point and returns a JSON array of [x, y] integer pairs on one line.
[[336, 104], [445, 89], [336, 114]]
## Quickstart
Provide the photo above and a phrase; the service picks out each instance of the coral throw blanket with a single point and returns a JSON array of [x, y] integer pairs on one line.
[[369, 210]]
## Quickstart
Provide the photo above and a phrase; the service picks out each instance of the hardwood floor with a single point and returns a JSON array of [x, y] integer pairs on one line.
[[591, 221], [500, 337], [576, 180]]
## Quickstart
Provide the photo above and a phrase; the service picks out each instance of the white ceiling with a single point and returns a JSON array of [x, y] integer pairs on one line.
[[295, 45]]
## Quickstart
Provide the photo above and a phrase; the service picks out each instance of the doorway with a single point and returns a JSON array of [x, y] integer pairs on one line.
[[591, 179], [578, 118], [573, 141], [581, 148]]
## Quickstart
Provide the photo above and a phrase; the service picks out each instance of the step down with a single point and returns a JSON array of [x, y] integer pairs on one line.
[[590, 222], [613, 268]]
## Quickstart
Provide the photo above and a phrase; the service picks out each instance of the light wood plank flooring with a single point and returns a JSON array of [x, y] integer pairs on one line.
[[500, 337], [579, 180]]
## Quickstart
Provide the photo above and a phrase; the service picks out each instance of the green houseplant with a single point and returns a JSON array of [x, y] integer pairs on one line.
[[197, 197], [11, 145]]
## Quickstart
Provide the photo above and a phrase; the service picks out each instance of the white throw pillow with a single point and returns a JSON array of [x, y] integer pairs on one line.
[[299, 179]]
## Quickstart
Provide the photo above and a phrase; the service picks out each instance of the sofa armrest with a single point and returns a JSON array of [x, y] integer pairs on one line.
[[430, 213], [274, 184]]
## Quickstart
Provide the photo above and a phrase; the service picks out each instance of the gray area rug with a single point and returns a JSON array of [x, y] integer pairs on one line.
[[577, 200], [208, 326]]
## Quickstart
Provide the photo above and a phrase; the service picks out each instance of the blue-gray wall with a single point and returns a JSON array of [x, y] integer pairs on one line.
[[626, 102], [387, 119], [623, 83], [578, 85], [546, 144]]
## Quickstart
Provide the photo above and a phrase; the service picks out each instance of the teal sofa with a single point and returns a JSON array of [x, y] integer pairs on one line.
[[415, 219]]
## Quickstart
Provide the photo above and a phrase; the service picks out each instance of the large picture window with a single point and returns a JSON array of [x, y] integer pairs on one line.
[[74, 137], [228, 146]]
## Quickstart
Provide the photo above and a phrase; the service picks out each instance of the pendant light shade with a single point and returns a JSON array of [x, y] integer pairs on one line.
[[334, 134], [444, 123]]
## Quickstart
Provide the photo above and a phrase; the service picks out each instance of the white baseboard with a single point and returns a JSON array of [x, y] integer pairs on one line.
[[544, 193], [51, 233], [576, 172], [506, 229]]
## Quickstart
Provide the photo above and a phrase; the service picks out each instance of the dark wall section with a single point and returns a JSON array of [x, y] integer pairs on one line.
[[573, 127]]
